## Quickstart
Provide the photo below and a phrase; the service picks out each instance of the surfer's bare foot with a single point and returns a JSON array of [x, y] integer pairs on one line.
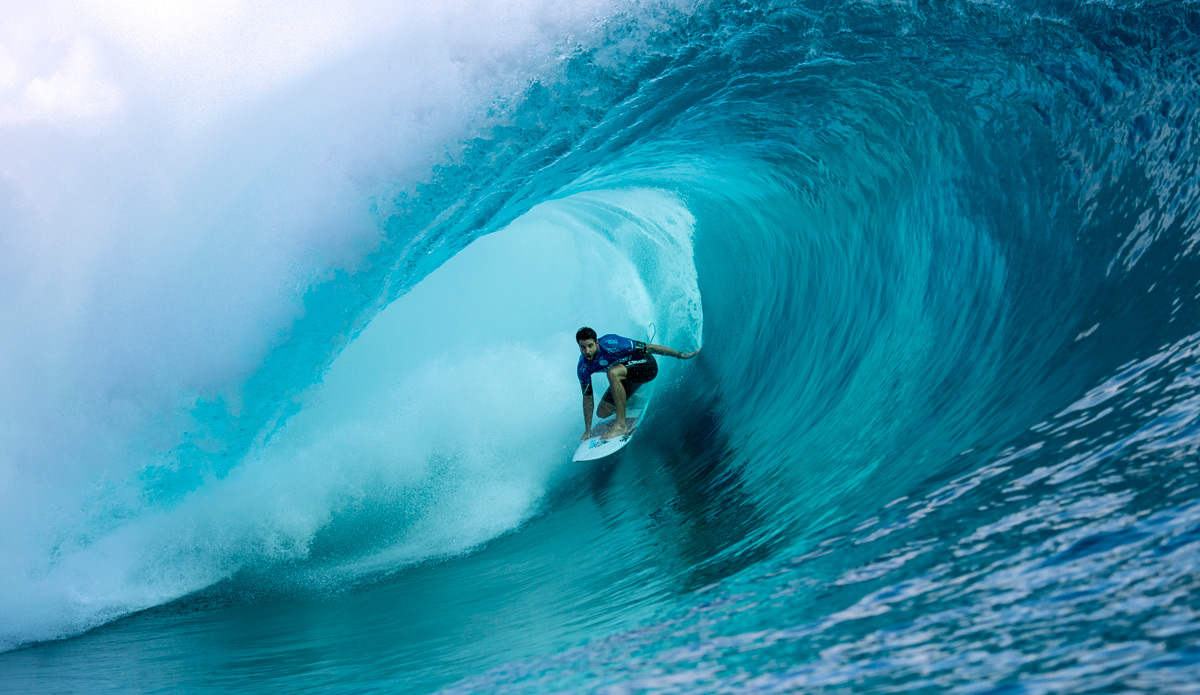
[[616, 430]]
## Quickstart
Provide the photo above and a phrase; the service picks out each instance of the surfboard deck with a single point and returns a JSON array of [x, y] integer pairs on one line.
[[596, 447]]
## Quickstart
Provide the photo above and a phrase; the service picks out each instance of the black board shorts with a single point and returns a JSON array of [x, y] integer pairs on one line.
[[642, 369]]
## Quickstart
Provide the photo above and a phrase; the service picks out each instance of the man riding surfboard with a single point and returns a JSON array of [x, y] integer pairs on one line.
[[628, 364]]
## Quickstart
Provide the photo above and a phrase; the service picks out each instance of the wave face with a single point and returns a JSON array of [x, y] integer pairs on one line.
[[942, 435]]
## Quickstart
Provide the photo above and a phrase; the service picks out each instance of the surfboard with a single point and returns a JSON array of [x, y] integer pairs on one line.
[[596, 447]]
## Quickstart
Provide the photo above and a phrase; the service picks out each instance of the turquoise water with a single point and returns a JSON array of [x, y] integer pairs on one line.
[[942, 436]]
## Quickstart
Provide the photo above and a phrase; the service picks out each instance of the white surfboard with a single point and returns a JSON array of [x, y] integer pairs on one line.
[[597, 447]]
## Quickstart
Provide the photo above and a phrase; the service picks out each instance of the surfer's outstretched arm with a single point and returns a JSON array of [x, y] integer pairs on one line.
[[669, 352]]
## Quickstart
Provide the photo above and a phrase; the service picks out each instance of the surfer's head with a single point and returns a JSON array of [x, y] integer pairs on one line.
[[588, 347]]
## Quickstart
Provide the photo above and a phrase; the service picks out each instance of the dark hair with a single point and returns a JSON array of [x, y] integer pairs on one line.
[[584, 333]]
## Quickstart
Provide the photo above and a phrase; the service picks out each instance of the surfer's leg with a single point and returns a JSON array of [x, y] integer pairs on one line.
[[616, 378], [607, 405]]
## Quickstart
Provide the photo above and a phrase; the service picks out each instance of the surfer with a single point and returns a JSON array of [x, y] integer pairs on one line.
[[628, 363]]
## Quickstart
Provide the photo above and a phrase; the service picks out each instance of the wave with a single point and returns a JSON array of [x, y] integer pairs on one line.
[[912, 241]]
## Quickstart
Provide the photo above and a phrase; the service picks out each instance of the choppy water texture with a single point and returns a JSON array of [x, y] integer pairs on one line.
[[942, 437]]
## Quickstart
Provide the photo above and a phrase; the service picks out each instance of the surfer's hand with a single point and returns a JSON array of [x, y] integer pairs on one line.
[[689, 355]]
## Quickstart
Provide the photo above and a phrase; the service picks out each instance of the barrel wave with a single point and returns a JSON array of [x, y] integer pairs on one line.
[[941, 437]]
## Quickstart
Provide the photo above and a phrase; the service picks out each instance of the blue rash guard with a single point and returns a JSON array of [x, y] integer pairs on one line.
[[614, 349]]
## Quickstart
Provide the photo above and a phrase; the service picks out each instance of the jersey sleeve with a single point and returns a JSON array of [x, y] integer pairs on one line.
[[620, 346]]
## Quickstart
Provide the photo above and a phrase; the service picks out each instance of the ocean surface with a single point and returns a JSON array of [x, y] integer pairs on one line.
[[289, 402]]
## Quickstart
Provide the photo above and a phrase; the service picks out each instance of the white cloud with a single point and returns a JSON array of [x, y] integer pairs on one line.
[[51, 69], [201, 58], [9, 72], [70, 63], [74, 91]]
